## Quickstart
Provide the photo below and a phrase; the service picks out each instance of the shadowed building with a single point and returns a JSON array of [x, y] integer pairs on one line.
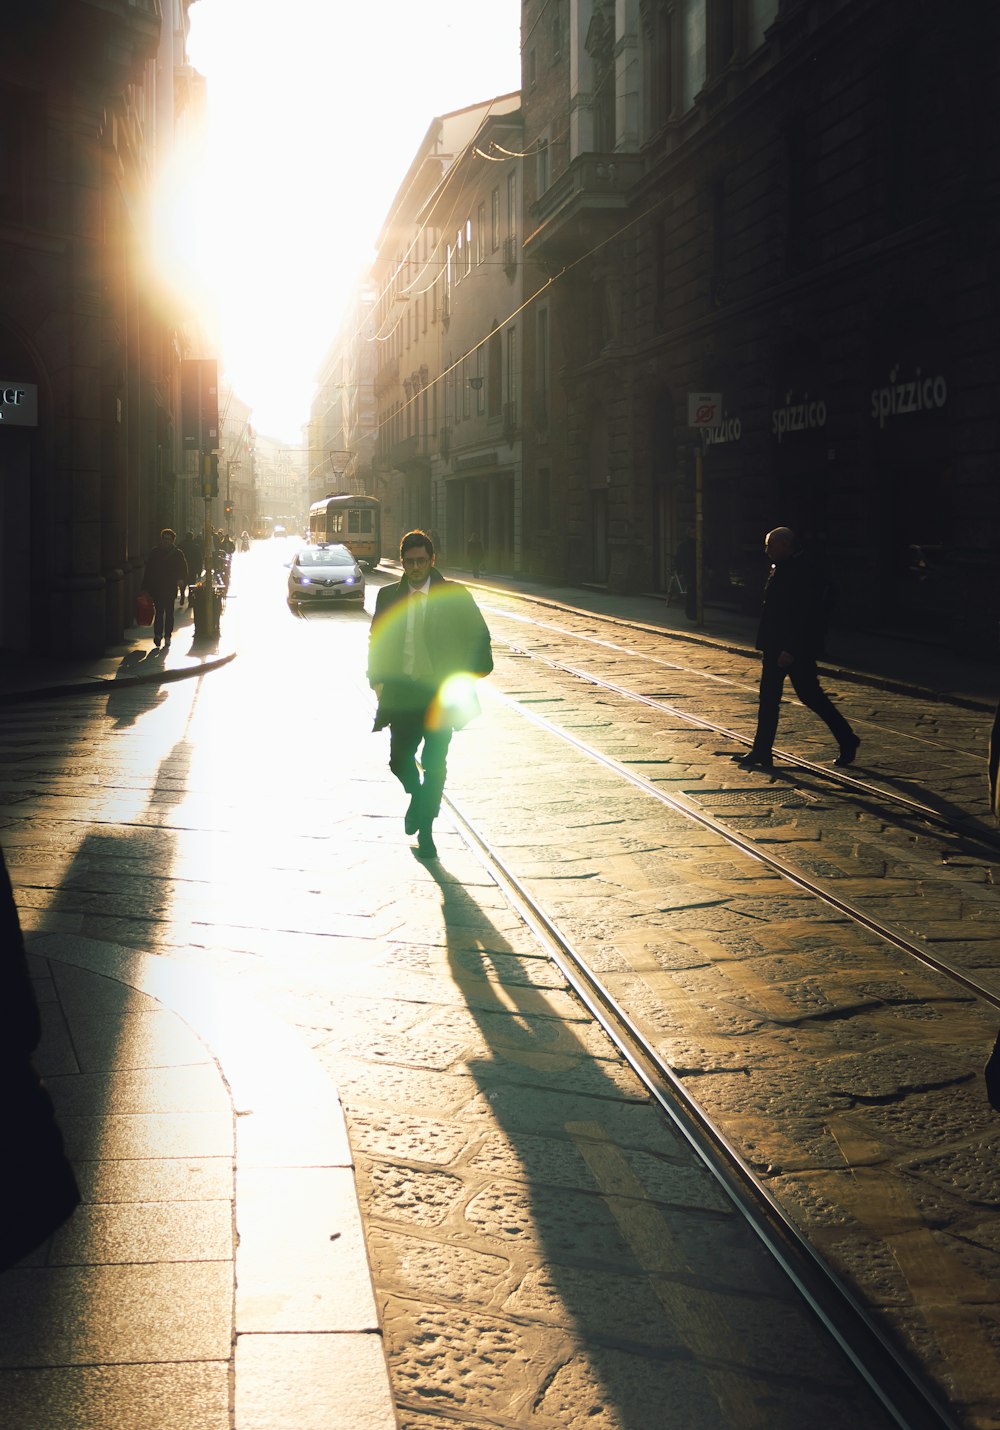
[[90, 98]]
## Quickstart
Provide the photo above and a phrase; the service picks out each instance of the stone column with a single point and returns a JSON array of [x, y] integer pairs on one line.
[[76, 609]]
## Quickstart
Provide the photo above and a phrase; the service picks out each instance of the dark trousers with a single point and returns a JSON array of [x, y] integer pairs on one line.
[[805, 682], [163, 620], [406, 731]]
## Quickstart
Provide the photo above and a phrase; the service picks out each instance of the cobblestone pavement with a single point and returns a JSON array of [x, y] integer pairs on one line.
[[543, 1251], [850, 1077]]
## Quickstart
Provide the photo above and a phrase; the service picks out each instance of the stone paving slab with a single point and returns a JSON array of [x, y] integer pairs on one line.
[[125, 1319]]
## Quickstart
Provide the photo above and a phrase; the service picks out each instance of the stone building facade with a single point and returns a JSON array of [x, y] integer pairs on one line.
[[89, 97], [446, 456], [793, 205]]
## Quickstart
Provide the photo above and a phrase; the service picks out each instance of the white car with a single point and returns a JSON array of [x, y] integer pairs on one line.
[[324, 573]]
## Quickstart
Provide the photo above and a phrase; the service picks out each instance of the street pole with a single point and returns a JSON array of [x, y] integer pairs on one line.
[[208, 624], [699, 529]]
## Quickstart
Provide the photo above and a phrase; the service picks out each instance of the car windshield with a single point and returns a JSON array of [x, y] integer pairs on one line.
[[325, 556]]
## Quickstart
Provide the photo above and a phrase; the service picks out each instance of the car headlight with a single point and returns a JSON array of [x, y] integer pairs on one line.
[[301, 580]]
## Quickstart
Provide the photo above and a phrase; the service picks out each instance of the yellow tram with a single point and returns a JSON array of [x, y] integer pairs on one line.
[[353, 521]]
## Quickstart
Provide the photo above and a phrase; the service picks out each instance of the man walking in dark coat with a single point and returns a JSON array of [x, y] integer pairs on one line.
[[166, 572], [427, 634], [790, 636]]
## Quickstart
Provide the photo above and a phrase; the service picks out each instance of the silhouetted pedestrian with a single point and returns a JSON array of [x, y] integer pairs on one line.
[[476, 553], [790, 637], [425, 630], [166, 572]]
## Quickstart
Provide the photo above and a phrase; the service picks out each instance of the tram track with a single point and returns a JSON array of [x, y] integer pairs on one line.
[[771, 1169], [909, 1401], [967, 827], [897, 938]]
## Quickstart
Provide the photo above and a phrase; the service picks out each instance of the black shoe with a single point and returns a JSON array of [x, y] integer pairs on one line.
[[426, 848], [156, 643], [848, 751], [411, 820], [166, 647], [753, 761]]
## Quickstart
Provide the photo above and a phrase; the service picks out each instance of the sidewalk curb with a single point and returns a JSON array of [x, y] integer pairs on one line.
[[98, 683], [302, 1282]]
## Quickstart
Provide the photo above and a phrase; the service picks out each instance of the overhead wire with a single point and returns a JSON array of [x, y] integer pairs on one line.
[[528, 302]]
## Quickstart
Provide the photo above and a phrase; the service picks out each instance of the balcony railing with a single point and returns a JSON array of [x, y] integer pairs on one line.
[[510, 254]]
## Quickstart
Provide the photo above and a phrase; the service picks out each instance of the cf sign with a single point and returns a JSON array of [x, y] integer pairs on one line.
[[18, 404]]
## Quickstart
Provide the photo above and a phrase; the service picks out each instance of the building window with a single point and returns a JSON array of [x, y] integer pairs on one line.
[[763, 13], [532, 69], [481, 234], [557, 30], [600, 47], [512, 203], [468, 245], [510, 385], [466, 389], [722, 34], [542, 164], [495, 220], [693, 44], [494, 378], [542, 367], [480, 381], [658, 63]]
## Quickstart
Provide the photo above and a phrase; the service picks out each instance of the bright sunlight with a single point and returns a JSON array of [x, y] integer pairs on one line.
[[315, 111]]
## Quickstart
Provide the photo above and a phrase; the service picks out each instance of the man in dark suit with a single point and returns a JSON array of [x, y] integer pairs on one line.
[[428, 639], [166, 572], [790, 637]]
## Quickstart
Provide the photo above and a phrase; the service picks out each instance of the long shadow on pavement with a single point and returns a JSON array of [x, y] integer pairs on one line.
[[641, 1288]]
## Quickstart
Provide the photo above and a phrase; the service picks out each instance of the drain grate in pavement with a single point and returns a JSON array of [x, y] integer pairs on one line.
[[787, 797]]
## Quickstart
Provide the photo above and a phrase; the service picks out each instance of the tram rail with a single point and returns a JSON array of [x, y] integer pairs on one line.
[[915, 1398], [906, 1397], [966, 827]]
